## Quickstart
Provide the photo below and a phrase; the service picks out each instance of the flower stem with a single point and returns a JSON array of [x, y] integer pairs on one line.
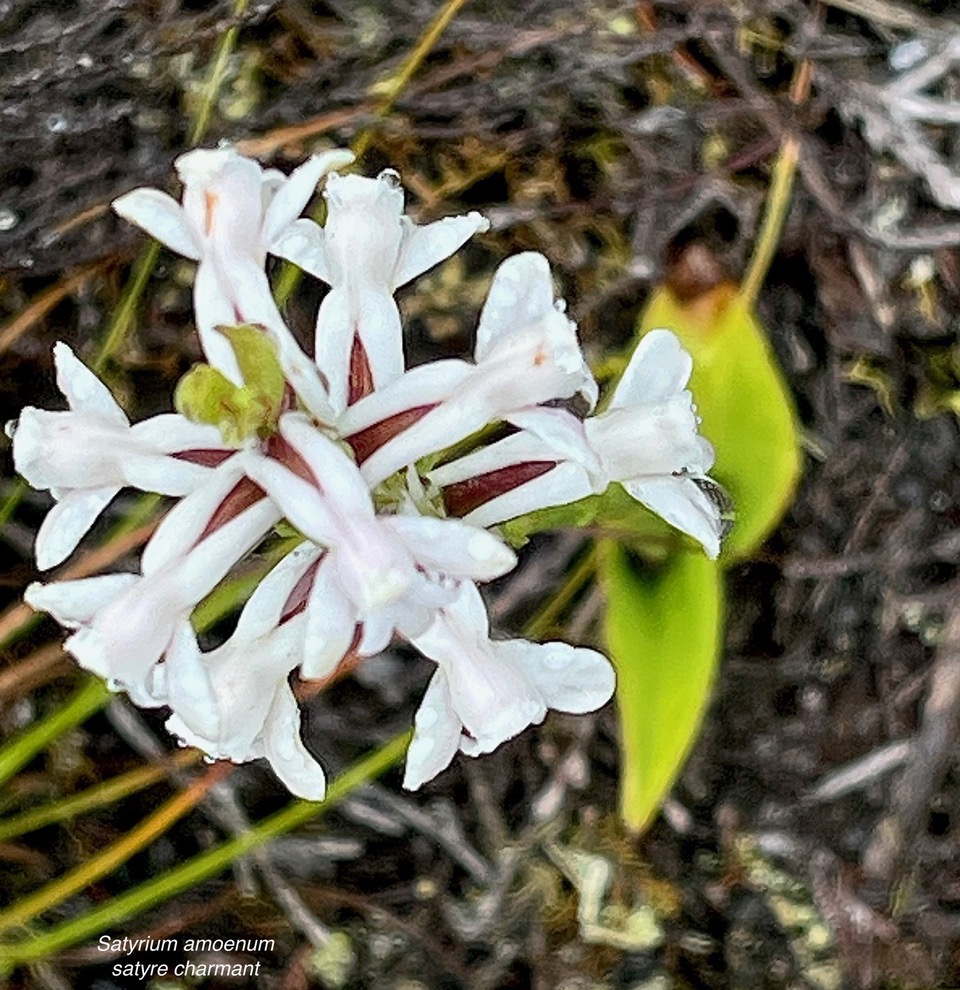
[[91, 870], [125, 313], [110, 791], [203, 866], [774, 217], [576, 579]]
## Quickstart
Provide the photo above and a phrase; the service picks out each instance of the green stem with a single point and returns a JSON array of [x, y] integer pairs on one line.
[[774, 217], [90, 698], [576, 579], [125, 313], [204, 866], [98, 796], [218, 71]]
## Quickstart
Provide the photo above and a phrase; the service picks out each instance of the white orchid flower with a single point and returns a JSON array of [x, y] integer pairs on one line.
[[125, 622], [365, 252], [232, 215], [84, 456], [235, 702], [378, 572], [526, 354], [648, 440], [487, 691]]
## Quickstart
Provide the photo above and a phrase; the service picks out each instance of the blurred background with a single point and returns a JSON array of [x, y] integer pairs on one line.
[[812, 839]]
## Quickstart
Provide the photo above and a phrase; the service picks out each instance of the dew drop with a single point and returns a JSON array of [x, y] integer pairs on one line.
[[56, 123], [8, 219], [390, 177]]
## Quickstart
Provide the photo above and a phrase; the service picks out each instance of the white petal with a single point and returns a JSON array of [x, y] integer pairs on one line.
[[182, 526], [264, 608], [520, 295], [561, 485], [424, 247], [659, 368], [73, 603], [338, 476], [84, 391], [188, 689], [162, 217], [449, 546], [682, 504], [214, 308], [170, 433], [303, 244], [331, 622], [67, 522], [163, 474], [568, 678], [283, 747], [333, 343], [293, 195], [425, 385], [642, 440], [436, 735], [563, 434]]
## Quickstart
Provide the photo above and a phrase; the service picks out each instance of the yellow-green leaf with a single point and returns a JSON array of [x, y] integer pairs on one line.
[[746, 408], [663, 626]]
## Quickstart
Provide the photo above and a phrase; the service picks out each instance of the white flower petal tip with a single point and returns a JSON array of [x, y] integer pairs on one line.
[[659, 368], [161, 217]]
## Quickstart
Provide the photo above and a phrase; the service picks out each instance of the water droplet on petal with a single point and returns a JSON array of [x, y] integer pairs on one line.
[[390, 177], [56, 123], [8, 219]]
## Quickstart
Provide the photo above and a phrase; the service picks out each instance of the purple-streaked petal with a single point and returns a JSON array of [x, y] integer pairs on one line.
[[561, 485], [183, 525], [425, 385], [336, 473]]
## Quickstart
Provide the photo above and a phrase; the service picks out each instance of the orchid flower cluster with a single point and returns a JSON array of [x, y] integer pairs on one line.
[[390, 476]]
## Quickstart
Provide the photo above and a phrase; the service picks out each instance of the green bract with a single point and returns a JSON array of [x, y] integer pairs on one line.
[[240, 412]]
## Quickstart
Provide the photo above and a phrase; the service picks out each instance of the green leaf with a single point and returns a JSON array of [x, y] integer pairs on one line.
[[663, 628], [746, 408]]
